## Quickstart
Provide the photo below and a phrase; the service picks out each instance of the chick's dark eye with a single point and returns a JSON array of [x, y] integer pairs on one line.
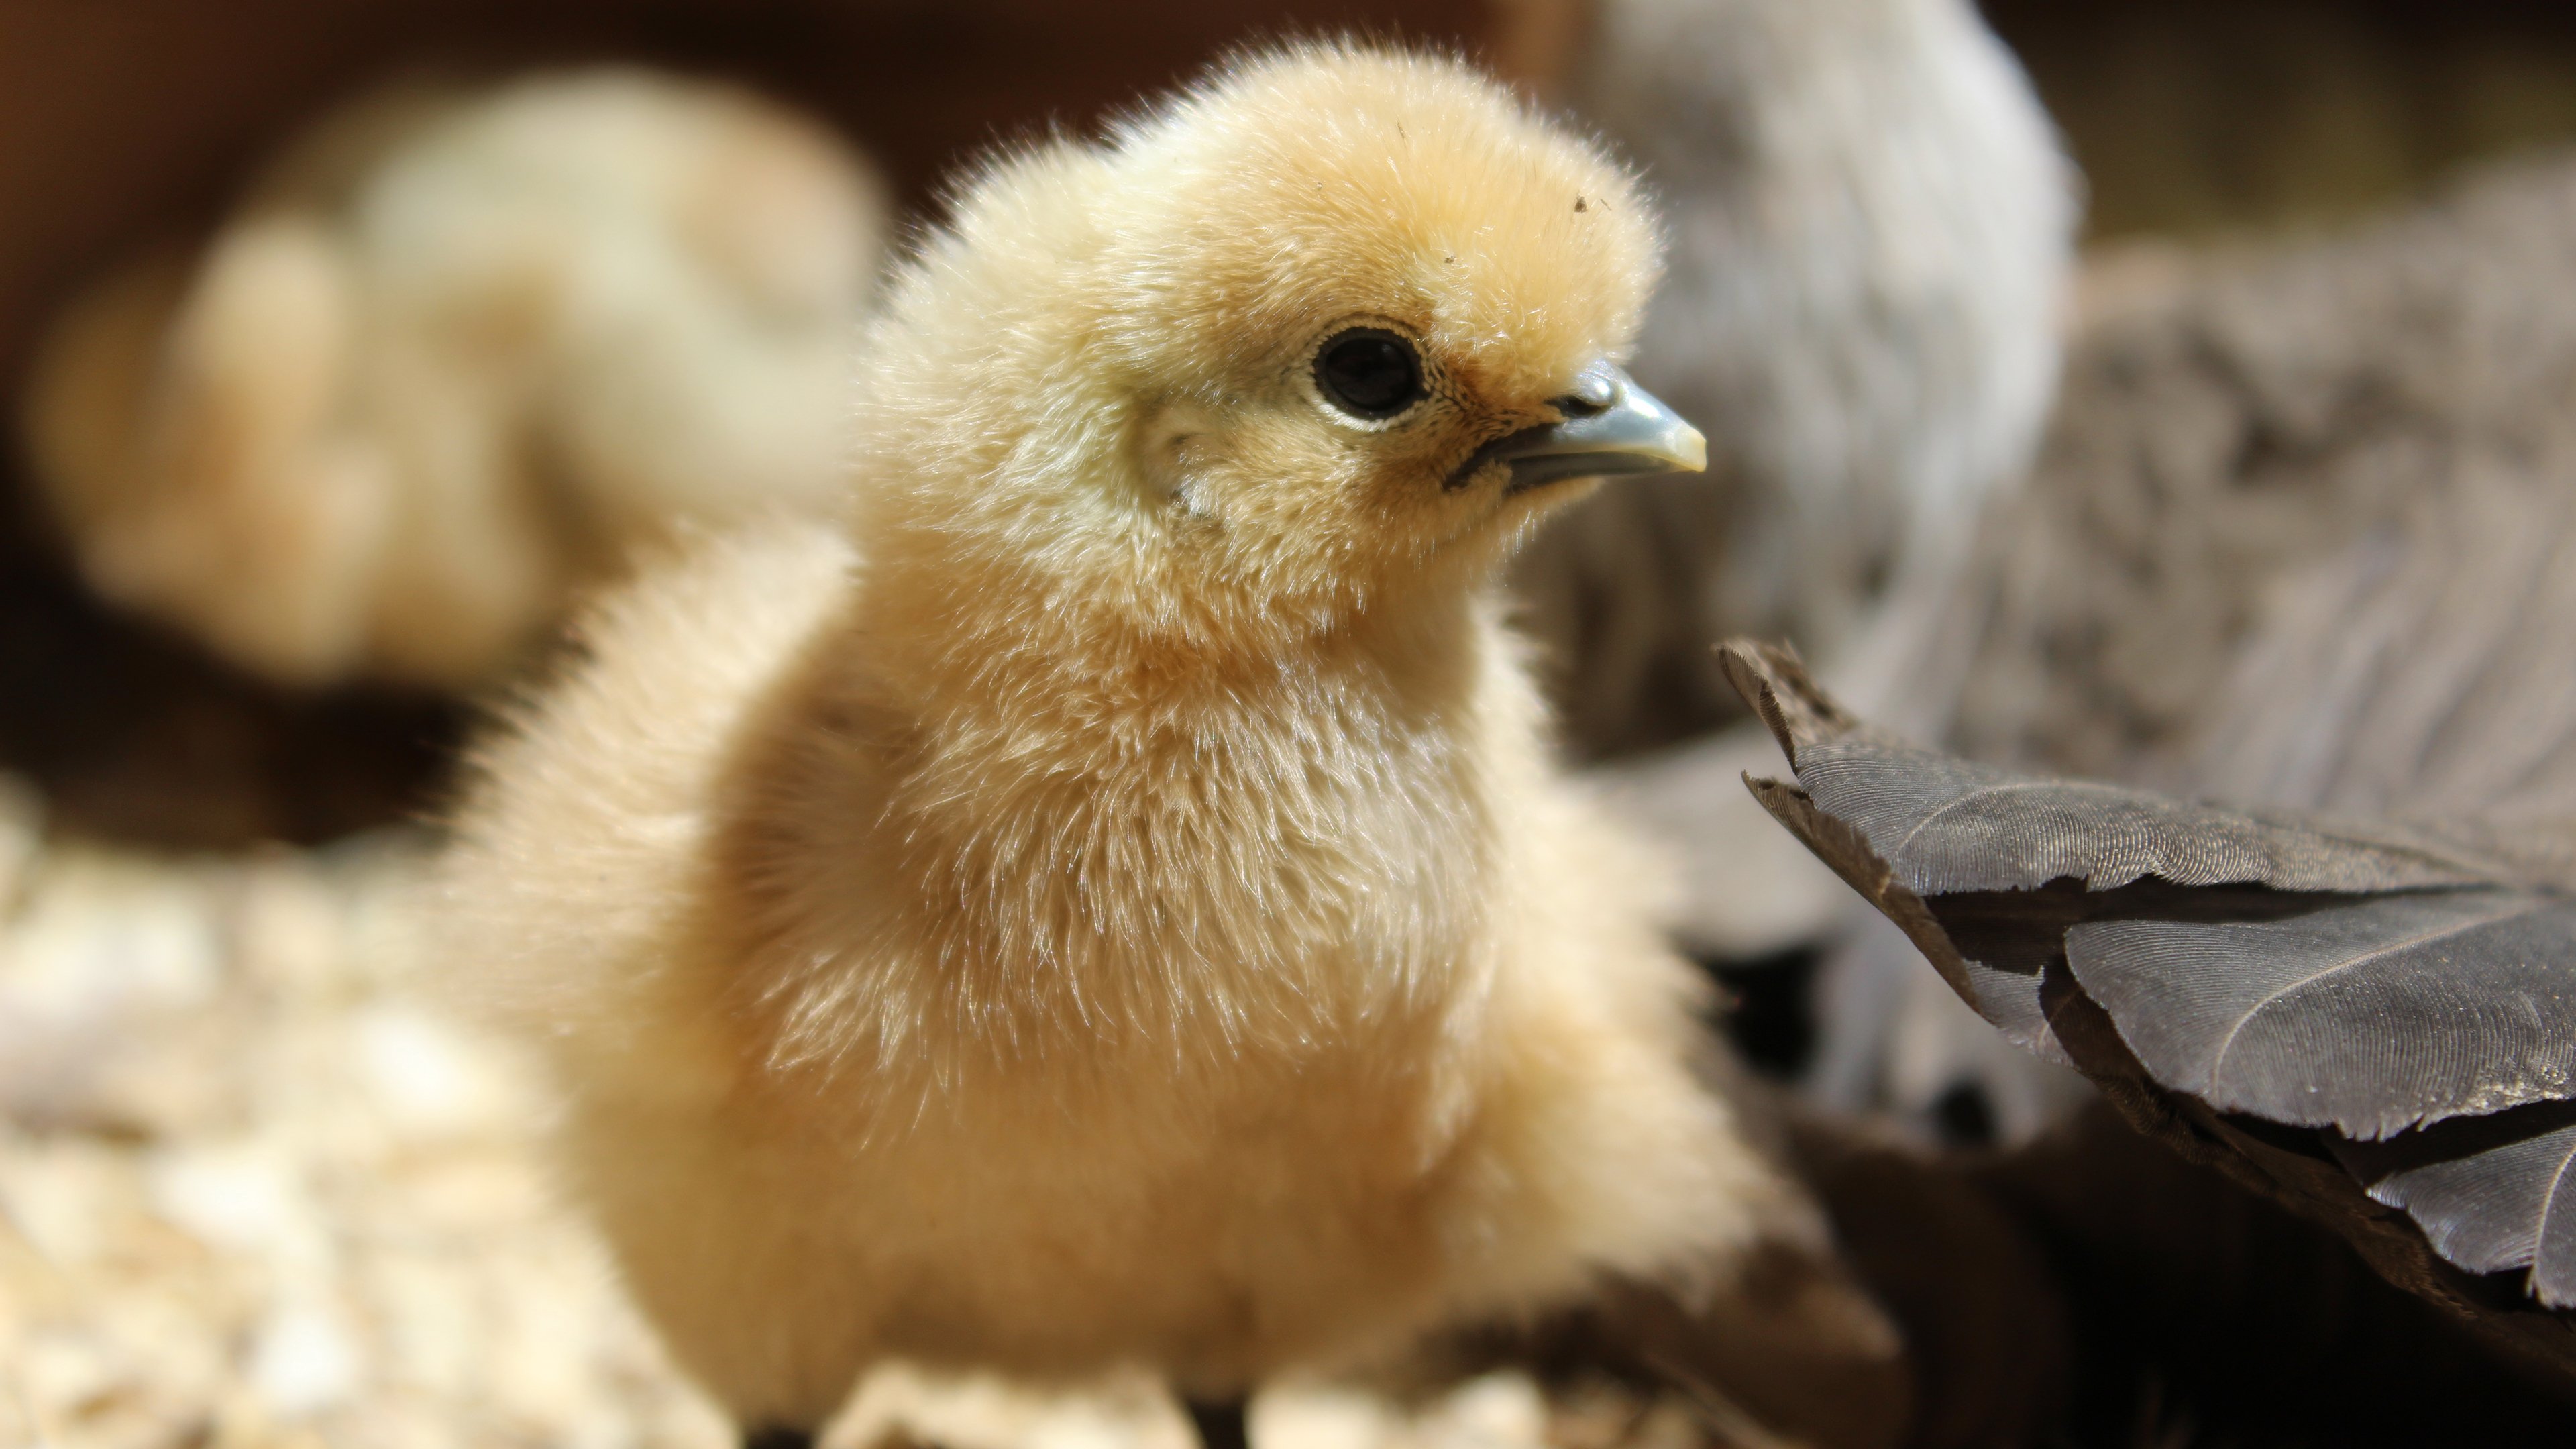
[[1368, 373]]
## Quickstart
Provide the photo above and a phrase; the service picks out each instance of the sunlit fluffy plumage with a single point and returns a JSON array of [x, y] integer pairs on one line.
[[1113, 904], [454, 355]]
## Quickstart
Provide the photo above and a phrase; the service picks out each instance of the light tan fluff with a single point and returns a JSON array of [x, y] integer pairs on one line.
[[454, 355], [1115, 905]]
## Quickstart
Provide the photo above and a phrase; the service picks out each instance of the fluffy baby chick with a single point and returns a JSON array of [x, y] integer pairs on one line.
[[454, 355], [1111, 904]]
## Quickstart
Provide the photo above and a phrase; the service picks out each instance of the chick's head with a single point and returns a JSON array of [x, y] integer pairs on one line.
[[1337, 325]]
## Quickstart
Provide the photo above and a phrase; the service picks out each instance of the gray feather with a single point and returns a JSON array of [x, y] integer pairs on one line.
[[2493, 1194], [2278, 993], [2371, 1017]]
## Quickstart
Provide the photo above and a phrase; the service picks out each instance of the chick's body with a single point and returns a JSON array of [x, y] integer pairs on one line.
[[1113, 905]]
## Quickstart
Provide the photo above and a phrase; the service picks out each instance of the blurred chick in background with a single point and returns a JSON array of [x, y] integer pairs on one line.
[[1872, 234], [1872, 224], [454, 355], [1112, 905]]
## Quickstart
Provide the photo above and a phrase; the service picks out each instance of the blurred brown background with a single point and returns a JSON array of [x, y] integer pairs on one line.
[[2200, 116]]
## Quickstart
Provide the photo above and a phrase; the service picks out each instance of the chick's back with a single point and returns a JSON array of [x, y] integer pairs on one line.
[[592, 811]]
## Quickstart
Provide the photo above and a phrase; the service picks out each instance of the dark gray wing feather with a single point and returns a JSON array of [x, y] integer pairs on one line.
[[1946, 826], [2493, 1194], [2370, 1016], [2357, 1017]]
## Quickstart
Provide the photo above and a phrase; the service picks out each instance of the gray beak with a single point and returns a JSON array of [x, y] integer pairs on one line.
[[1610, 427]]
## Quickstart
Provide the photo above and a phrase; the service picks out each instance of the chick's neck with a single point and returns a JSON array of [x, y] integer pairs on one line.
[[1124, 837], [950, 640]]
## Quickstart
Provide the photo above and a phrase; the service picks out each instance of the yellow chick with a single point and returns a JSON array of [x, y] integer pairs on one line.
[[454, 355], [1112, 904]]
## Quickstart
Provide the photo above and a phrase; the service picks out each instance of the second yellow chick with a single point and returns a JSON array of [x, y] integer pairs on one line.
[[455, 354]]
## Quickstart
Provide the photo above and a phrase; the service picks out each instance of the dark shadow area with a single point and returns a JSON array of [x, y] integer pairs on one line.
[[2206, 1316], [2198, 116], [134, 734], [1767, 1009]]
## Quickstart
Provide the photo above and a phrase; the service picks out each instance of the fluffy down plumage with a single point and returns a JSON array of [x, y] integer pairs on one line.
[[453, 355], [1112, 903]]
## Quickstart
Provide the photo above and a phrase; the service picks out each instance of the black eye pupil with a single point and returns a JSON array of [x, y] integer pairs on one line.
[[1370, 373]]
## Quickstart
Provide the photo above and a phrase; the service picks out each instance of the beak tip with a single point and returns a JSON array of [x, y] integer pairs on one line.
[[1690, 450], [1624, 431]]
